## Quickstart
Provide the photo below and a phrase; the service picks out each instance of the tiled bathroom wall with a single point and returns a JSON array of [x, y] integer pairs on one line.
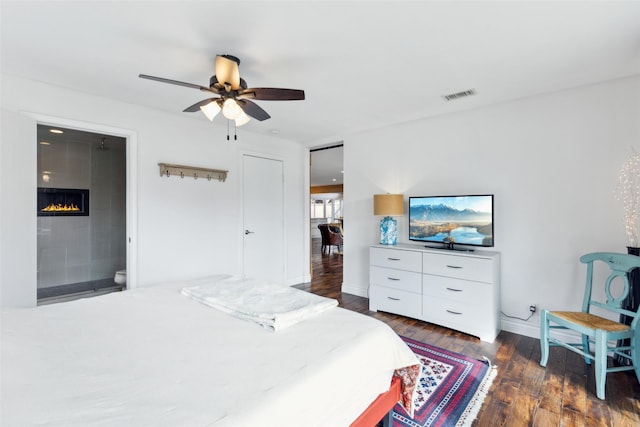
[[76, 249]]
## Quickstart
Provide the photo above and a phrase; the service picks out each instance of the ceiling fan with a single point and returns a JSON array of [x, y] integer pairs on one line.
[[234, 97]]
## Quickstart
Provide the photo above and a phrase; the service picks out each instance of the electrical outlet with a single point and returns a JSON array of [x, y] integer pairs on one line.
[[533, 308]]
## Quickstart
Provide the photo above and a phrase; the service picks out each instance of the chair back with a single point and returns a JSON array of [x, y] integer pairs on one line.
[[331, 234], [620, 265], [335, 227], [324, 233]]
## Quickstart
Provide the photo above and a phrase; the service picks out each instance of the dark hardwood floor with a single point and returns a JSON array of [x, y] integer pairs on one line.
[[524, 393]]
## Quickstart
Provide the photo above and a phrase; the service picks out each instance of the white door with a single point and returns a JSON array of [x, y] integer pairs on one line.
[[263, 218]]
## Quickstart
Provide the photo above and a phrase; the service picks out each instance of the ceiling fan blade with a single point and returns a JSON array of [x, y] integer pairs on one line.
[[176, 82], [227, 71], [272, 94], [252, 109], [196, 107]]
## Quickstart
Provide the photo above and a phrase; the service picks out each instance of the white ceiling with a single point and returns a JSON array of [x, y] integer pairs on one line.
[[327, 165], [98, 141], [362, 65]]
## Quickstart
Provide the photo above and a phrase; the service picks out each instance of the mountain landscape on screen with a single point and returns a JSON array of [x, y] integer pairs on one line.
[[443, 212], [441, 222]]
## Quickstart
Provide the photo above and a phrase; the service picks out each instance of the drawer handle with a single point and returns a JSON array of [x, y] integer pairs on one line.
[[393, 259], [394, 299], [453, 266], [453, 312], [454, 290], [393, 278]]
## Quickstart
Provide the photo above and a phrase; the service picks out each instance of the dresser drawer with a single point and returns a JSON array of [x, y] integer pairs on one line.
[[398, 259], [459, 267], [464, 291], [458, 315], [409, 281], [477, 320], [395, 301]]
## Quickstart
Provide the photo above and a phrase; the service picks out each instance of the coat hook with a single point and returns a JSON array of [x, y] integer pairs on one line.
[[195, 172]]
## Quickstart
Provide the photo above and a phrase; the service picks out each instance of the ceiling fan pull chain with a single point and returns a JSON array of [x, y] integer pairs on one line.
[[235, 131], [227, 130]]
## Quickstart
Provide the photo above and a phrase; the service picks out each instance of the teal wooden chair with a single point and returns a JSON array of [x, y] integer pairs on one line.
[[605, 335]]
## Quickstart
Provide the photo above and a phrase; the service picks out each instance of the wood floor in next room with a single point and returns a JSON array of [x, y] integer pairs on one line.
[[524, 393]]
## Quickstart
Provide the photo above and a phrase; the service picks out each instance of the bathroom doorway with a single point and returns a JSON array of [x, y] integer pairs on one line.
[[81, 214]]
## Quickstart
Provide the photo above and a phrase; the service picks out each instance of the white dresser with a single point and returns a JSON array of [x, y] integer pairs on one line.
[[456, 289]]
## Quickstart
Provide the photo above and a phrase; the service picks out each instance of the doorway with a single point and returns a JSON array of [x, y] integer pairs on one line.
[[326, 200], [81, 213]]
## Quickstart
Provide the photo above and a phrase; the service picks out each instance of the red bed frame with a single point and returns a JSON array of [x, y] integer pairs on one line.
[[381, 408]]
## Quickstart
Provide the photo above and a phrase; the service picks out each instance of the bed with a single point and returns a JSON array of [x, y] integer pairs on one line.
[[153, 356]]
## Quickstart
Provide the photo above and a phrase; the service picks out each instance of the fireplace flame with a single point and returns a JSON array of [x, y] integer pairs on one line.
[[59, 207]]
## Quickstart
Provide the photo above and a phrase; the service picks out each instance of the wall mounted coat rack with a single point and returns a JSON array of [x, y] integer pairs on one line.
[[167, 170]]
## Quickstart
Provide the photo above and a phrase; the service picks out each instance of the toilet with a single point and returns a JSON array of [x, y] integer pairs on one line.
[[121, 277]]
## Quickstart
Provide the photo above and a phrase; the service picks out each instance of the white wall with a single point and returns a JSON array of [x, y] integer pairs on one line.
[[186, 228], [552, 162], [17, 197]]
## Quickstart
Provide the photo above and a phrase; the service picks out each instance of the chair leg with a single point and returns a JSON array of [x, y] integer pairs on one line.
[[586, 349], [635, 352], [544, 338], [601, 362]]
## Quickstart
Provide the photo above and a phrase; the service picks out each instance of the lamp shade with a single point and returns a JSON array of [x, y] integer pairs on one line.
[[230, 109], [210, 110], [242, 119], [388, 204]]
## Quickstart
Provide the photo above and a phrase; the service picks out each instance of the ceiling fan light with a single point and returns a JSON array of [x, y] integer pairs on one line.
[[210, 110], [230, 109], [242, 119]]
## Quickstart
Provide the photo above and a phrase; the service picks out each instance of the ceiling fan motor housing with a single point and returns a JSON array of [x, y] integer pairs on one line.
[[213, 82]]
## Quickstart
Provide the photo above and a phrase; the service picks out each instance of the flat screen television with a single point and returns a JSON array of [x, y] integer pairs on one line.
[[452, 220]]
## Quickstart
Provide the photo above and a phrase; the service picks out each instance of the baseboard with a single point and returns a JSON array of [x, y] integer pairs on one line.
[[520, 327], [531, 329], [355, 290]]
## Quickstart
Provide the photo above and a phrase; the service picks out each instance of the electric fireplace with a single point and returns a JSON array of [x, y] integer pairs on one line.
[[63, 202]]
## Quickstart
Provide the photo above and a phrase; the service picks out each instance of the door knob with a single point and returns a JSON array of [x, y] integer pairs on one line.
[[248, 232]]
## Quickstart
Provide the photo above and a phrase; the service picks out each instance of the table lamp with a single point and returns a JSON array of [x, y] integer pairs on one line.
[[388, 205]]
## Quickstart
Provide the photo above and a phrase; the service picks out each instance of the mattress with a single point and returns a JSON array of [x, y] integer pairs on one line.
[[153, 357]]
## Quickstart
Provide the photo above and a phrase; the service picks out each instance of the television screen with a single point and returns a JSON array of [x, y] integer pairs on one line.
[[452, 220]]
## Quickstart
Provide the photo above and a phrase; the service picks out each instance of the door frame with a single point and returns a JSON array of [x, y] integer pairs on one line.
[[131, 150]]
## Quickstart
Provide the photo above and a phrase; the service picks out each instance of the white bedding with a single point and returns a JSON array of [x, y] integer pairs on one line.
[[153, 357], [273, 306]]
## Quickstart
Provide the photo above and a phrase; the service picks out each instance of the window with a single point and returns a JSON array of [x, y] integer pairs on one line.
[[326, 208], [317, 208]]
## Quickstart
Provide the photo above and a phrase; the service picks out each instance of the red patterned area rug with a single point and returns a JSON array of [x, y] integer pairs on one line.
[[451, 390]]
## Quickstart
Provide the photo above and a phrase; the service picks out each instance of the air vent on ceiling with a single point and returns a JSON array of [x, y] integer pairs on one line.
[[457, 95]]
